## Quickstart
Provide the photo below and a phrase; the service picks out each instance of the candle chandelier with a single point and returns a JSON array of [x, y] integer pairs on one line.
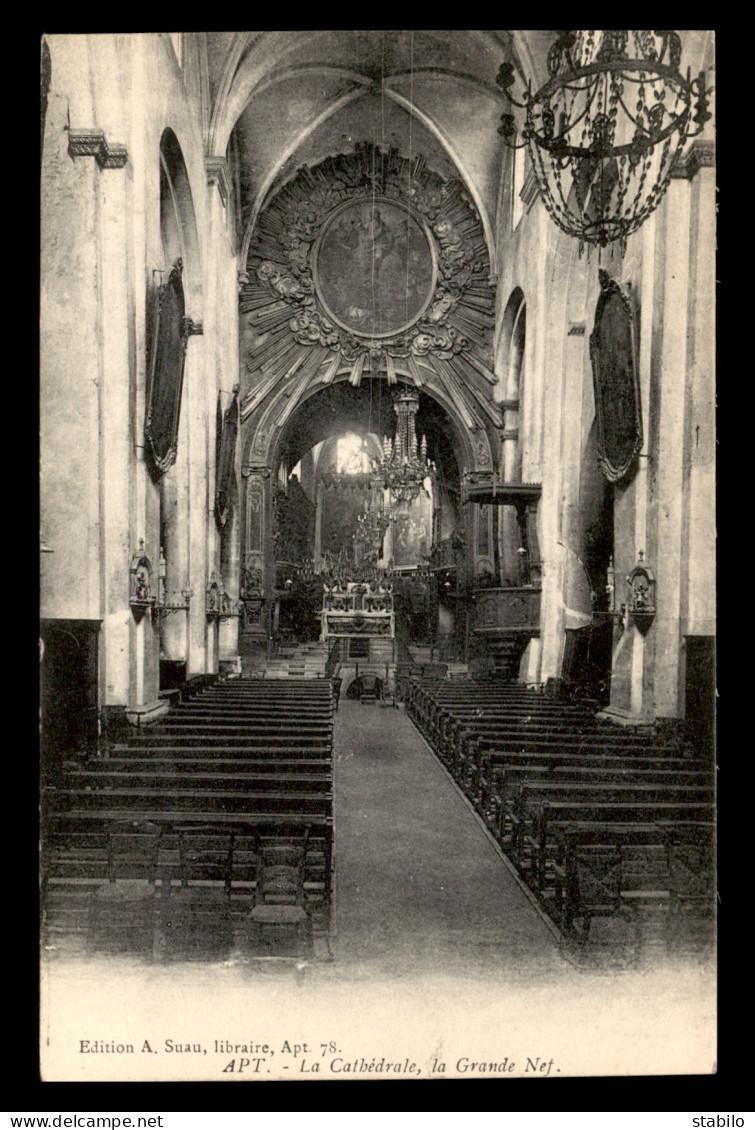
[[604, 131], [403, 468]]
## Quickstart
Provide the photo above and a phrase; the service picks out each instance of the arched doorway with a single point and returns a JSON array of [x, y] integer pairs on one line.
[[180, 254]]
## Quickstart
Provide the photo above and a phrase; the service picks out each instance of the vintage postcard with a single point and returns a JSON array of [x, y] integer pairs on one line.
[[377, 555]]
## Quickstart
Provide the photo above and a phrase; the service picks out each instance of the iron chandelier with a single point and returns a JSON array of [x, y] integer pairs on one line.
[[403, 469], [604, 131]]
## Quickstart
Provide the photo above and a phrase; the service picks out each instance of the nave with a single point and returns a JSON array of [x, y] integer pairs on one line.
[[332, 389], [420, 885]]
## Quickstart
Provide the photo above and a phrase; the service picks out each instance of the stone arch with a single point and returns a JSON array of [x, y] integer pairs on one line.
[[511, 345], [178, 223], [265, 442], [264, 446], [180, 240]]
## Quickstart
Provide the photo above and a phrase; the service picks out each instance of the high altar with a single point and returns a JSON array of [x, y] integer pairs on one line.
[[361, 608]]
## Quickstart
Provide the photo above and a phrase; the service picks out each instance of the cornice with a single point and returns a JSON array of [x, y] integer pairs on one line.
[[93, 143], [217, 174], [700, 155]]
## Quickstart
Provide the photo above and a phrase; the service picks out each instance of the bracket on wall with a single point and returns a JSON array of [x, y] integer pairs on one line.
[[217, 173], [164, 608]]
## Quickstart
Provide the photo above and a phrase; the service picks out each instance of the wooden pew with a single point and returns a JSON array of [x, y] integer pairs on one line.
[[533, 795], [149, 799], [538, 852], [201, 778], [246, 763], [287, 748], [138, 761], [611, 851], [499, 799], [478, 763]]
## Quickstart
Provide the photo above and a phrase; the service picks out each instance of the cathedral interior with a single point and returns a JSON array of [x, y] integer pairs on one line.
[[378, 498]]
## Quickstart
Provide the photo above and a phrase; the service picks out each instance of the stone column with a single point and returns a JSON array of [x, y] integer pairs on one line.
[[259, 564], [699, 551], [631, 701], [509, 530], [652, 512], [116, 450], [175, 530], [319, 490], [200, 460]]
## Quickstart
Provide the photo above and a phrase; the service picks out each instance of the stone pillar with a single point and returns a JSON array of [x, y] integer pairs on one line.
[[222, 359], [71, 363], [699, 551], [319, 490], [651, 512], [116, 452], [175, 530], [631, 701], [509, 530], [144, 242], [259, 564], [665, 542], [228, 631], [200, 460]]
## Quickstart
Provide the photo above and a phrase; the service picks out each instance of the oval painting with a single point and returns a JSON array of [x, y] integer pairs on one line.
[[374, 268]]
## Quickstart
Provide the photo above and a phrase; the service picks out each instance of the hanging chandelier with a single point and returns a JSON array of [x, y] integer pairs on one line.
[[403, 468], [604, 131]]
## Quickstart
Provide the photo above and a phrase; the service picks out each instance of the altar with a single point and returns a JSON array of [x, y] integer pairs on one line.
[[358, 608]]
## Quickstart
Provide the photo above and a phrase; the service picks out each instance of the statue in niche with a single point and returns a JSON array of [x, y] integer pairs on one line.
[[141, 584]]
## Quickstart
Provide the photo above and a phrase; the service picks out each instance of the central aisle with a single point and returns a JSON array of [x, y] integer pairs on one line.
[[420, 886]]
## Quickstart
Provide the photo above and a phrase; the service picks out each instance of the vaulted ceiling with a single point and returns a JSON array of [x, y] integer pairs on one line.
[[284, 99]]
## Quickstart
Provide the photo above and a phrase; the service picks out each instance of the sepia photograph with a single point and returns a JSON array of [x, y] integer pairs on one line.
[[377, 555]]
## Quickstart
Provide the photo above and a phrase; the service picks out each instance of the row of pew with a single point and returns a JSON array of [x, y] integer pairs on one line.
[[222, 811], [600, 821]]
